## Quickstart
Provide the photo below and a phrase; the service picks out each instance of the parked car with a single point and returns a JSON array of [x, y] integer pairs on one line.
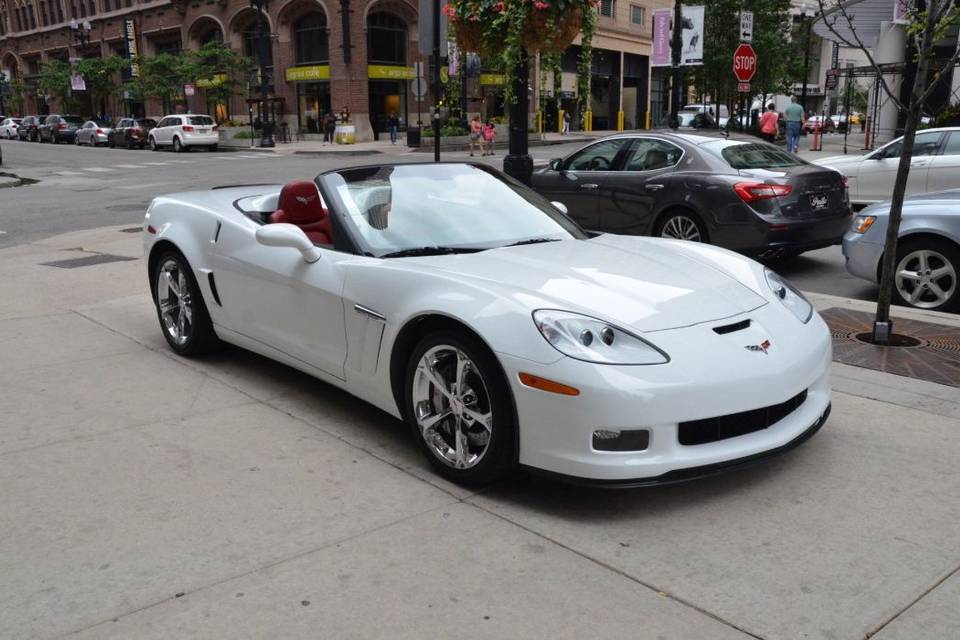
[[182, 132], [131, 132], [839, 122], [29, 128], [8, 128], [715, 110], [928, 249], [696, 120], [93, 133], [57, 128], [748, 196], [813, 123], [855, 119], [517, 340], [935, 166]]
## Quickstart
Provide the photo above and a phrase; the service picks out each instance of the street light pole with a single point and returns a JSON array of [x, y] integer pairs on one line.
[[806, 63], [263, 50], [676, 44], [81, 32]]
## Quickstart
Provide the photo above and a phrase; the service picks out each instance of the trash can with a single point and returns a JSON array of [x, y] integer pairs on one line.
[[413, 137]]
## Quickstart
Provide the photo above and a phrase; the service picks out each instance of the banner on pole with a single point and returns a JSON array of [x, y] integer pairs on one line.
[[77, 83], [691, 51], [660, 56], [130, 37], [901, 11]]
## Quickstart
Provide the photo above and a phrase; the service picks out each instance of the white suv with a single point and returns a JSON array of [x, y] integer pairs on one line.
[[184, 131]]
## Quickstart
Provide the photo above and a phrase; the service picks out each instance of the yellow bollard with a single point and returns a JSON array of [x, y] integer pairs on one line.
[[560, 113], [620, 121], [646, 124], [540, 121]]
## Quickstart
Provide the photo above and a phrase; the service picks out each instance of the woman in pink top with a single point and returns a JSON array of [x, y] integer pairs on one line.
[[768, 123], [489, 137]]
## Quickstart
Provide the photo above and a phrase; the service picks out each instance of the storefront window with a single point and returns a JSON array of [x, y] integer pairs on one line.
[[310, 39], [386, 38]]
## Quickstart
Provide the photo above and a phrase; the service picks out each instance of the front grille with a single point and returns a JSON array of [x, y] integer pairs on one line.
[[737, 424]]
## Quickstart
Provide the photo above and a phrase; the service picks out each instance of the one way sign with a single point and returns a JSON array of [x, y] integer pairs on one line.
[[746, 26]]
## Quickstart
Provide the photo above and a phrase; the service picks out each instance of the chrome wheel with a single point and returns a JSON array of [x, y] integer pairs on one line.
[[452, 407], [681, 228], [926, 278], [175, 301]]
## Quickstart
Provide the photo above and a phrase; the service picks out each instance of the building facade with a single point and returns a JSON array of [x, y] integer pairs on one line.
[[351, 55]]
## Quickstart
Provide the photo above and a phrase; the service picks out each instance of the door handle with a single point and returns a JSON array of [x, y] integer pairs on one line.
[[590, 186], [918, 163], [653, 187]]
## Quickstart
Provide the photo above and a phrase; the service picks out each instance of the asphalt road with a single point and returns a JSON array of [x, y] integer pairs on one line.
[[83, 188]]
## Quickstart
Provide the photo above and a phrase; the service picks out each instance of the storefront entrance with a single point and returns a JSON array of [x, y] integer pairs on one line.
[[313, 101], [386, 97]]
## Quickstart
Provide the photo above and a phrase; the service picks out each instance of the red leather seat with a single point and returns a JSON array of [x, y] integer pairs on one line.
[[300, 204]]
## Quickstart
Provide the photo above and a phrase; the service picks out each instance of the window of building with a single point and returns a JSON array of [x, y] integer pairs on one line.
[[59, 8], [606, 8], [32, 16], [310, 39], [92, 6], [167, 46], [638, 14], [386, 38], [106, 6]]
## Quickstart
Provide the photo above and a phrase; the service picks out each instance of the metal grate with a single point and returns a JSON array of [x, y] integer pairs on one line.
[[935, 357], [87, 261], [737, 424]]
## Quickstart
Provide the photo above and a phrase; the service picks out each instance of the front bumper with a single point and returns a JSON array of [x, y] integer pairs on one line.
[[862, 257], [709, 375]]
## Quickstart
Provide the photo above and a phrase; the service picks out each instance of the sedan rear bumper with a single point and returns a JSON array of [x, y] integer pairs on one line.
[[793, 235]]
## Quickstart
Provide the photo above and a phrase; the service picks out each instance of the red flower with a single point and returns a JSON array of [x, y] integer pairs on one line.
[[449, 11], [499, 7], [539, 4], [473, 17]]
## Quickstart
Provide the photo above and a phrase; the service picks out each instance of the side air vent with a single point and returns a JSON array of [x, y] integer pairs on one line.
[[213, 289], [730, 328]]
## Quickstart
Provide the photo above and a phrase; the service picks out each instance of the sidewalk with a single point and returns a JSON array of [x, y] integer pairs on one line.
[[149, 496]]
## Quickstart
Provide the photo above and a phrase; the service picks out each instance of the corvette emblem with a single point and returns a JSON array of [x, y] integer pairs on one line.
[[306, 199], [763, 346]]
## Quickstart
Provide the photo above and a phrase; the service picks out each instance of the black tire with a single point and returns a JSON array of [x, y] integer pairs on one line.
[[202, 338], [498, 458], [177, 145], [111, 142], [130, 145], [947, 253], [672, 222], [213, 147], [153, 144]]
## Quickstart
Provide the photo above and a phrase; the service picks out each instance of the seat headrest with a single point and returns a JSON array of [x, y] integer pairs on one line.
[[300, 202]]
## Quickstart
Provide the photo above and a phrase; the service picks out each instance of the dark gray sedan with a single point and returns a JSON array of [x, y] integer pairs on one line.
[[744, 195]]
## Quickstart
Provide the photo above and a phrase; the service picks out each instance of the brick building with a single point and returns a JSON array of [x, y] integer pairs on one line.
[[355, 54]]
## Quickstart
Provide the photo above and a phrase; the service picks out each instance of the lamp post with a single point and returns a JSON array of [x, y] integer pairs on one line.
[[806, 62], [81, 31], [676, 82], [263, 51]]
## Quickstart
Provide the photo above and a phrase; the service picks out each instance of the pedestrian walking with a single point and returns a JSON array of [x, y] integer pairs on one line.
[[768, 123], [326, 128], [394, 124], [795, 119], [566, 122], [476, 131], [489, 137]]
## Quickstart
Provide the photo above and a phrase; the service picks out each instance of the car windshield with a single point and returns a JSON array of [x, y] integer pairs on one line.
[[72, 119], [442, 208], [752, 155], [147, 122], [201, 121]]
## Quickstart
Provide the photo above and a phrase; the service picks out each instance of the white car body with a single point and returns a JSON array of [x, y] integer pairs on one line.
[[185, 131], [339, 319], [935, 166], [92, 133], [8, 128]]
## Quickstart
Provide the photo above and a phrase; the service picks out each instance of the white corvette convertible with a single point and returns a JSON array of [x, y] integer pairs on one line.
[[468, 306]]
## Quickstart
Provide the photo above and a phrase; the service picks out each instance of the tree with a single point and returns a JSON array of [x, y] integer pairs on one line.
[[219, 69], [927, 22], [161, 77], [54, 81], [101, 76]]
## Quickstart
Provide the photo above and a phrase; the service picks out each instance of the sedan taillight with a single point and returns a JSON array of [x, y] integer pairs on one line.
[[753, 191], [61, 126], [99, 132], [216, 127]]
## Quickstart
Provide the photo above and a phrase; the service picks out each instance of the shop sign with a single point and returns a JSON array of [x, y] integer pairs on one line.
[[389, 72], [308, 73], [133, 50], [492, 78]]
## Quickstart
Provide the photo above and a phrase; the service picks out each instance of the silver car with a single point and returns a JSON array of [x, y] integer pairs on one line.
[[93, 133], [928, 250]]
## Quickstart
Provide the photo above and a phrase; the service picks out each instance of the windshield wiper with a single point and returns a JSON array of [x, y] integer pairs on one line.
[[429, 251], [533, 241]]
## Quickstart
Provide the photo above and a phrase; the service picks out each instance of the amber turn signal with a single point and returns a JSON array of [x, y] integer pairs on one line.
[[536, 382]]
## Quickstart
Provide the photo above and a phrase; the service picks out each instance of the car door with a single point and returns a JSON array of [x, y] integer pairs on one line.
[[878, 171], [119, 133], [87, 129], [635, 189], [272, 295], [160, 133], [578, 181], [944, 169]]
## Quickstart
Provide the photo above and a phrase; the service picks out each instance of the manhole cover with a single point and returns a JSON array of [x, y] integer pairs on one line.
[[926, 351], [87, 261]]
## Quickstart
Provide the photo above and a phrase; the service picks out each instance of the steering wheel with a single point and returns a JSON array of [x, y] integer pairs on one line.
[[595, 163]]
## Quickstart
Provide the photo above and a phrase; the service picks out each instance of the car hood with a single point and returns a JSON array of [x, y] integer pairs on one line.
[[641, 283]]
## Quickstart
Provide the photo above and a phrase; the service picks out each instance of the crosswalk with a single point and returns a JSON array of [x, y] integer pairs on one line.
[[230, 157]]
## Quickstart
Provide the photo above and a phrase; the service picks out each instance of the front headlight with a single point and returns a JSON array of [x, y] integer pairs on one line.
[[591, 340], [790, 296], [862, 223]]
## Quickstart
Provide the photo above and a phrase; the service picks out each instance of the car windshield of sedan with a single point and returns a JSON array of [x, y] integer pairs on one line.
[[423, 209], [752, 155]]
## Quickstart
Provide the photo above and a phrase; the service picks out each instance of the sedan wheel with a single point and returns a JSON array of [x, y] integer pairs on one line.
[[926, 275], [153, 144], [681, 226], [459, 409], [177, 146], [183, 315]]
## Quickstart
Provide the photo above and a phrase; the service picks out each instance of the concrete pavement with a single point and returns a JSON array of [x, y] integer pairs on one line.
[[149, 496]]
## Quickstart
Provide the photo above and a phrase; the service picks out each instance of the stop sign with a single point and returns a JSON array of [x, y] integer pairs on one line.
[[744, 63]]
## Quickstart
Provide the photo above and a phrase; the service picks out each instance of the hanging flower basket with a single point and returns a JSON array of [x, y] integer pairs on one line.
[[540, 35], [468, 35]]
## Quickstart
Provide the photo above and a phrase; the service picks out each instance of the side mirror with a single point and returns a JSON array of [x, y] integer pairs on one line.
[[556, 164], [288, 235], [559, 206]]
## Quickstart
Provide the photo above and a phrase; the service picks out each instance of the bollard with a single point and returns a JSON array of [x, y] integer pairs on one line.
[[814, 142]]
